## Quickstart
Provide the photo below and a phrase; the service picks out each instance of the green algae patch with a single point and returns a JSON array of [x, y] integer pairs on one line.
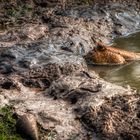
[[7, 125]]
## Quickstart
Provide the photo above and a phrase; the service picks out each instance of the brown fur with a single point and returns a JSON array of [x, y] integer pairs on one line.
[[103, 54]]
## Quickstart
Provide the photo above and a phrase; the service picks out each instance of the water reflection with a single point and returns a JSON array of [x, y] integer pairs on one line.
[[131, 43], [127, 74]]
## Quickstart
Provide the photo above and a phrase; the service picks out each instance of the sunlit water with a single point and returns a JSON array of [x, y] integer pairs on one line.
[[127, 74]]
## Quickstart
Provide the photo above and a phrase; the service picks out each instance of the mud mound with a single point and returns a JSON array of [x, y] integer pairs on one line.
[[48, 67], [118, 118], [84, 88], [42, 77]]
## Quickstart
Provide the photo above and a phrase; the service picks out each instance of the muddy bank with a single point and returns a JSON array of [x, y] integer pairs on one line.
[[43, 72]]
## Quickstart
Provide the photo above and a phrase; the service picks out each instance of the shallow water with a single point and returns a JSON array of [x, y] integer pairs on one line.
[[127, 74]]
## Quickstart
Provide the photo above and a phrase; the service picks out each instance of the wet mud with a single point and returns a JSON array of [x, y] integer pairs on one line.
[[117, 118], [43, 73]]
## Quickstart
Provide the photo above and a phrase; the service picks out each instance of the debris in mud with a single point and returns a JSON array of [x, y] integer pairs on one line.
[[74, 87], [6, 68], [8, 84]]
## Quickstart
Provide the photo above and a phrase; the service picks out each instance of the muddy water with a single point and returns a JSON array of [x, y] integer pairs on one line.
[[123, 75]]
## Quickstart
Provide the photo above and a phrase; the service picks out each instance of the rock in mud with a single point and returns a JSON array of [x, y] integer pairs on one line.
[[3, 100], [33, 31], [27, 127]]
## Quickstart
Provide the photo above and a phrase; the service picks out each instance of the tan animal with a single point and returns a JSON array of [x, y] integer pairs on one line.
[[107, 55]]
